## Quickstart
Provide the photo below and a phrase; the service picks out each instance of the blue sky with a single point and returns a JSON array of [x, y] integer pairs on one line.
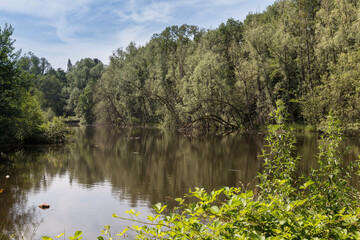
[[75, 29]]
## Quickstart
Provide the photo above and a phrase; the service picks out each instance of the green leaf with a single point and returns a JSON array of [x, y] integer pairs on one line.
[[78, 233], [214, 210], [76, 236], [123, 232], [159, 207], [60, 235], [308, 183]]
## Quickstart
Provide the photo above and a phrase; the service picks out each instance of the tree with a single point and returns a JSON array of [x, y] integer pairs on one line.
[[238, 71], [81, 81], [69, 65], [20, 114], [51, 88], [340, 92]]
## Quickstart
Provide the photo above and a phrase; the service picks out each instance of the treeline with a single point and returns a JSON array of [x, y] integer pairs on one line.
[[24, 117], [33, 94], [303, 52], [64, 93]]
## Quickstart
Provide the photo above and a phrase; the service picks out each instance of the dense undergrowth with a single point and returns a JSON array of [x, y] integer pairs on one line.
[[319, 205]]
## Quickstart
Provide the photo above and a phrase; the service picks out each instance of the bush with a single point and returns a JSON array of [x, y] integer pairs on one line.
[[55, 131]]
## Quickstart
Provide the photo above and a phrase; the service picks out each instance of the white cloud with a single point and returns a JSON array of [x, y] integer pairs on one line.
[[138, 34], [51, 12], [155, 12], [142, 11], [50, 9], [95, 28]]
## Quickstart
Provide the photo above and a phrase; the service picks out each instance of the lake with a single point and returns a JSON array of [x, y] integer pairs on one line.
[[110, 170]]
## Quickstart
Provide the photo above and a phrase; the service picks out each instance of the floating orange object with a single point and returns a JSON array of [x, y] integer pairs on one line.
[[44, 206]]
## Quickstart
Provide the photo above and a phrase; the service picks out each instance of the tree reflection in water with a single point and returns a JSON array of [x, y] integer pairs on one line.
[[23, 170], [165, 165], [140, 167]]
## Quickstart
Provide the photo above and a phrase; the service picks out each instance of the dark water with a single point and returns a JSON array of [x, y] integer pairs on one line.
[[108, 170]]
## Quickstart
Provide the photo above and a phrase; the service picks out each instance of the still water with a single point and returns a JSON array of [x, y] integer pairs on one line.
[[111, 170]]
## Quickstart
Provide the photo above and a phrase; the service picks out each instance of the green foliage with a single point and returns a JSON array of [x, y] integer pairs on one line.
[[55, 131], [51, 86], [304, 53], [28, 123], [331, 180], [77, 236], [340, 93], [279, 157], [321, 205], [79, 91], [21, 118], [34, 65], [20, 115], [301, 52]]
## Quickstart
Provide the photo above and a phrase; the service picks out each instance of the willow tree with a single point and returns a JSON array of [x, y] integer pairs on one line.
[[169, 51], [257, 34], [337, 33], [204, 95], [122, 97]]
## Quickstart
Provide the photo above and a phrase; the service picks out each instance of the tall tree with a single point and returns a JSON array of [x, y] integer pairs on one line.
[[20, 115], [81, 81]]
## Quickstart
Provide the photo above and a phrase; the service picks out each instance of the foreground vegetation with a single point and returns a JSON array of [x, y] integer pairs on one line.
[[320, 204]]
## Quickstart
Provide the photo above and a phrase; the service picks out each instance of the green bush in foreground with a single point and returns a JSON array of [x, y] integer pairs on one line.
[[321, 205]]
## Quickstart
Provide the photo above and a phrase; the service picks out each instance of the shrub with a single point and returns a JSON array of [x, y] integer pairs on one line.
[[55, 131]]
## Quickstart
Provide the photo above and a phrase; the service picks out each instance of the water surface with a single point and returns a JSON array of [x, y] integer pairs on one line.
[[111, 170]]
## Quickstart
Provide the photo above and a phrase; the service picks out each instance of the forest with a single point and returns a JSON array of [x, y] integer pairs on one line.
[[303, 52]]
